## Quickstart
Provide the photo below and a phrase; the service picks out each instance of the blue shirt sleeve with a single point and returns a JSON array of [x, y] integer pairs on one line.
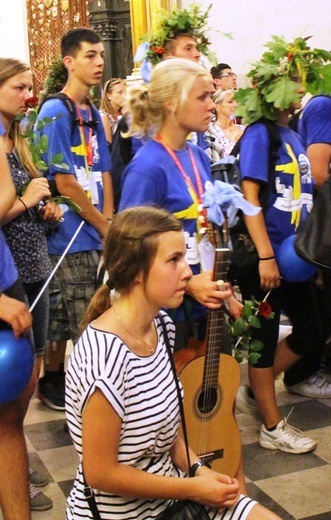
[[315, 121]]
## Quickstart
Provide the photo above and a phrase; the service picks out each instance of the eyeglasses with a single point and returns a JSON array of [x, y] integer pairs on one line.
[[228, 75]]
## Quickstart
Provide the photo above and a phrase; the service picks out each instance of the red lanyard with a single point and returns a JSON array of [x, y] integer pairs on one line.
[[182, 171]]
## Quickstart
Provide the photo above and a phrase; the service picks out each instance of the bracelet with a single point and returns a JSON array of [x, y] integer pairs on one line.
[[268, 258], [198, 464], [23, 204]]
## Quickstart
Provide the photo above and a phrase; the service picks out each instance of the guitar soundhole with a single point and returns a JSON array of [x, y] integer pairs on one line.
[[207, 402]]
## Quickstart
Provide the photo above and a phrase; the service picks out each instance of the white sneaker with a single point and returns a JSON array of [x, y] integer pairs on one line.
[[286, 438], [315, 386], [245, 403]]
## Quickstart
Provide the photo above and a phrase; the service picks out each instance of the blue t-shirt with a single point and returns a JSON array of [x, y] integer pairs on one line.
[[314, 124], [152, 178], [291, 198], [65, 138], [8, 271]]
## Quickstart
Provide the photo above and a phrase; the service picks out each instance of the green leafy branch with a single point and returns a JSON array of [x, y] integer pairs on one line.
[[39, 145], [274, 78], [241, 329]]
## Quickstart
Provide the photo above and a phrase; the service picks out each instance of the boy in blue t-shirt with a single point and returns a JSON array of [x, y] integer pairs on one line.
[[88, 183]]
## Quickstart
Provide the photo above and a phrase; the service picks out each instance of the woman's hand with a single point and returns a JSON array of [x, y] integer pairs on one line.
[[51, 212], [16, 314], [215, 489], [269, 274], [37, 190], [206, 291]]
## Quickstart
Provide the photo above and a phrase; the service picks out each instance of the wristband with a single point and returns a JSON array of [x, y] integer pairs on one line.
[[23, 204], [268, 258], [198, 464]]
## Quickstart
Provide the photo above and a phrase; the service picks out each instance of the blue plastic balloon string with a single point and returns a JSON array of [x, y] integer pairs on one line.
[[57, 265]]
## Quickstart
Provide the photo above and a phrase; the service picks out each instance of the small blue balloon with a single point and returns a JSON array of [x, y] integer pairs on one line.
[[291, 266], [16, 364]]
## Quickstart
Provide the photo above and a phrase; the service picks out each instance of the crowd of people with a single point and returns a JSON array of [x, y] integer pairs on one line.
[[152, 249]]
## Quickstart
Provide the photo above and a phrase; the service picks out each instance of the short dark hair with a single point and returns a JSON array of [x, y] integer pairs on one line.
[[72, 40], [216, 72]]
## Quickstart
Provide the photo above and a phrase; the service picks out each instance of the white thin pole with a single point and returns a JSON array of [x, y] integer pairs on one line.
[[57, 265]]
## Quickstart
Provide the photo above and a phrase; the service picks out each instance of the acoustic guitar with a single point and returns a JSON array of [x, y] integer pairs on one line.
[[210, 380]]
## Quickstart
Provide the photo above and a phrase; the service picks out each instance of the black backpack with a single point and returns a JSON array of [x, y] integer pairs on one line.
[[244, 257], [71, 106]]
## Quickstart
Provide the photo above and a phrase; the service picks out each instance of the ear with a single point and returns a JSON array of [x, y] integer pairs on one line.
[[68, 62], [169, 107]]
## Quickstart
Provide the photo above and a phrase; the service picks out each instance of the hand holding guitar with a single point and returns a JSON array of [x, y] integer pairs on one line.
[[206, 291]]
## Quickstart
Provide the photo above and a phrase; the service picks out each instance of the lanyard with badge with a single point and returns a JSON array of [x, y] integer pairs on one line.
[[89, 179], [205, 248]]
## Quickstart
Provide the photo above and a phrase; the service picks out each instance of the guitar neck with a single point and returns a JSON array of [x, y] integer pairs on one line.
[[217, 337]]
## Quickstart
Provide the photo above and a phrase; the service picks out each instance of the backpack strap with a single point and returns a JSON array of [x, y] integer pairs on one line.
[[71, 106]]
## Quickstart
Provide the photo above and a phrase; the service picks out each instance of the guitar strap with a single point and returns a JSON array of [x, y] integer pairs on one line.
[[180, 401]]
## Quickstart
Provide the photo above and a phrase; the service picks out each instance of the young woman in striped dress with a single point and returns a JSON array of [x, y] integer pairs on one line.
[[121, 399]]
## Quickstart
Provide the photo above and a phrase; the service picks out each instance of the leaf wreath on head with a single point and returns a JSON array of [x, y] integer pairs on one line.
[[191, 21], [274, 78]]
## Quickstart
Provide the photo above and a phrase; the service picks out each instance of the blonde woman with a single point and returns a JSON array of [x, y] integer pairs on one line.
[[24, 225], [224, 132], [112, 103]]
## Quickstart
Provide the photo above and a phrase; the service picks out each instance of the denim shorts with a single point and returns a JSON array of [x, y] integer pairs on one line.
[[70, 292]]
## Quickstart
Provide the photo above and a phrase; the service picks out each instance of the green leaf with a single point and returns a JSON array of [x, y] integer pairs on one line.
[[32, 116], [283, 93], [256, 345], [61, 199], [43, 143], [255, 322], [253, 357], [57, 158], [239, 326], [62, 166], [41, 165], [247, 309], [238, 356]]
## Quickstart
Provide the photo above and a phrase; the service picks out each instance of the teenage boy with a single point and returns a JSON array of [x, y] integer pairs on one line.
[[86, 180]]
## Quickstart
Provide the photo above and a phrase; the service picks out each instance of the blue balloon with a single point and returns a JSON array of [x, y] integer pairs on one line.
[[16, 364], [291, 266]]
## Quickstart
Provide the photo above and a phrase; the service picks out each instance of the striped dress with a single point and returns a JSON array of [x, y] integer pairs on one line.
[[142, 392]]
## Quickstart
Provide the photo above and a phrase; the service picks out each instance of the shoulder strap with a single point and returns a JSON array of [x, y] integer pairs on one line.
[[180, 401], [70, 105]]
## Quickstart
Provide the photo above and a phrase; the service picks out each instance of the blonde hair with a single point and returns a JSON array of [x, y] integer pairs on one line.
[[171, 80], [10, 67], [107, 89], [221, 94], [130, 248]]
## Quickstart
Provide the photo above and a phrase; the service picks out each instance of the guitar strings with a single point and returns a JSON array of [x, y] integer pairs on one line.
[[210, 361]]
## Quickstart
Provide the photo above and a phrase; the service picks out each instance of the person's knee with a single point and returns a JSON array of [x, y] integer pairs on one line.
[[12, 414]]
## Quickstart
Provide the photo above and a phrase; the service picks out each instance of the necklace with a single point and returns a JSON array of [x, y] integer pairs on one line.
[[150, 346]]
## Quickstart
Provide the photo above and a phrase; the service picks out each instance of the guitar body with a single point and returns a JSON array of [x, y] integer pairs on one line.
[[211, 379], [209, 413]]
